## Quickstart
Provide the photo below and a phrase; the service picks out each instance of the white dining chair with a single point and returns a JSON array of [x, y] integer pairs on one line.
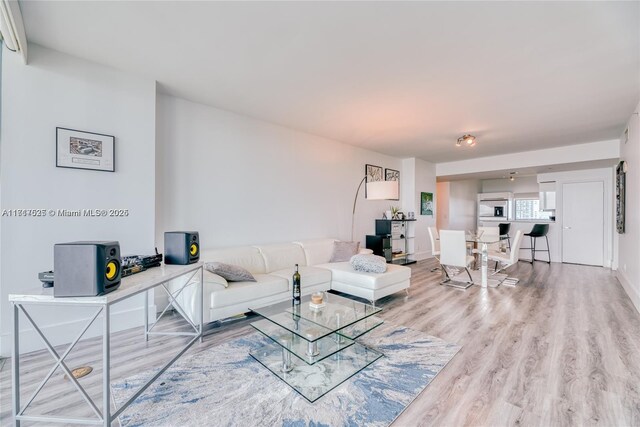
[[453, 254], [435, 245], [491, 234], [510, 257]]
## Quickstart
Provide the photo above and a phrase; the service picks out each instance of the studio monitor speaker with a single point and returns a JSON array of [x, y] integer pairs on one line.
[[181, 247], [85, 269]]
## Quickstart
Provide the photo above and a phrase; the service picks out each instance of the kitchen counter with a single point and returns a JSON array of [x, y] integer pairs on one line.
[[554, 235]]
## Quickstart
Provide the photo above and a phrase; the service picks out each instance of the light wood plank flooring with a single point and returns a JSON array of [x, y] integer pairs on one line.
[[561, 348]]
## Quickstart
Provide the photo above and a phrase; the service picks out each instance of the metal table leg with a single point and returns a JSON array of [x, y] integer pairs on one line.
[[146, 315], [201, 304], [15, 363], [485, 257], [106, 366]]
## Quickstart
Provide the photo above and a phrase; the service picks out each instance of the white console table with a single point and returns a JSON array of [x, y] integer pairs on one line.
[[129, 287]]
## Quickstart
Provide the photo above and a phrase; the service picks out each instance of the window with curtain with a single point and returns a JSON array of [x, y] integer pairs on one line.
[[527, 206]]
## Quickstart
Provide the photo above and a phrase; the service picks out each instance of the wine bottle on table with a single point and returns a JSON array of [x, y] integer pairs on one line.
[[296, 286]]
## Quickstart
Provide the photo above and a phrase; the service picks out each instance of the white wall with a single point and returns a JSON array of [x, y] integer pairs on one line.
[[59, 90], [521, 184], [461, 210], [442, 213], [551, 156], [420, 177], [629, 243], [240, 181]]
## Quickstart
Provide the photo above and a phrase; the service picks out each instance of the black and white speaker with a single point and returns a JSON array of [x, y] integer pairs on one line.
[[85, 269], [181, 247]]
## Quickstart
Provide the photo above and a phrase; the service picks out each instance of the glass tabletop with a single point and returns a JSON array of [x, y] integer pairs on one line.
[[489, 238], [313, 324]]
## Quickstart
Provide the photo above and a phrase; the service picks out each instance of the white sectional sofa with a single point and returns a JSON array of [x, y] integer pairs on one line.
[[273, 267]]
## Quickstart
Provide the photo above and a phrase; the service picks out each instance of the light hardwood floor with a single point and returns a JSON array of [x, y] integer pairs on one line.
[[561, 348]]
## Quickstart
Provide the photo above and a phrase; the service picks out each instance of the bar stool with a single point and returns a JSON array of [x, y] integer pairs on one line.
[[504, 231], [538, 230]]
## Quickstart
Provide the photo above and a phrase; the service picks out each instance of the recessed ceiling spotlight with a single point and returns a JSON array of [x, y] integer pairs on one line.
[[469, 140]]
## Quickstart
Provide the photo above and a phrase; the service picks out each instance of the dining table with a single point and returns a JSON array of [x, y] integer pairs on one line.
[[483, 240]]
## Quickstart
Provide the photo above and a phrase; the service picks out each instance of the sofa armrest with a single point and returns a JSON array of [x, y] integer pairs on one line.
[[188, 297], [364, 251]]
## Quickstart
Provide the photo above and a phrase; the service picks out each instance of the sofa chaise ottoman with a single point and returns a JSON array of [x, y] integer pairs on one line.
[[272, 266]]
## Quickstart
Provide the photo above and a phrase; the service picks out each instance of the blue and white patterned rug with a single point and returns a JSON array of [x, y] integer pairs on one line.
[[224, 386]]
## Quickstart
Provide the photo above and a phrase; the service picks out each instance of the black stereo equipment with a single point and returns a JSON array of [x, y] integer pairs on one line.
[[84, 269], [132, 264], [46, 277], [181, 247]]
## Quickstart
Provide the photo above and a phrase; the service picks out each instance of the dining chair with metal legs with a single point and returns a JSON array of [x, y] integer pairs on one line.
[[453, 254], [510, 257], [435, 245]]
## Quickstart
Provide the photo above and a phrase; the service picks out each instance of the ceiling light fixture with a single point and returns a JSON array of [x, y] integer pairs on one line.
[[469, 140]]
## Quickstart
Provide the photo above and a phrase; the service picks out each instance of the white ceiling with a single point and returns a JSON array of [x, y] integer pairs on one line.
[[402, 78]]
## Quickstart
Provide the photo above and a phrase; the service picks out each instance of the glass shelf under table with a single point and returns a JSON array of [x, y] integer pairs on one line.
[[314, 381], [360, 328], [309, 351]]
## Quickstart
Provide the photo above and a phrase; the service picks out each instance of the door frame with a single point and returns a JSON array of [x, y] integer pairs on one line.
[[605, 262], [609, 255]]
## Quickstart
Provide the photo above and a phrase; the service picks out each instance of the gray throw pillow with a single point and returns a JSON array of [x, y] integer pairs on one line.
[[369, 263], [343, 251], [232, 273]]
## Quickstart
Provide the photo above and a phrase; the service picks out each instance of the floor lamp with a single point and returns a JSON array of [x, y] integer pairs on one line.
[[376, 190]]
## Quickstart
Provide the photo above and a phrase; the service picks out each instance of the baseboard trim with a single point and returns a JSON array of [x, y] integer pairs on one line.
[[626, 285], [66, 332]]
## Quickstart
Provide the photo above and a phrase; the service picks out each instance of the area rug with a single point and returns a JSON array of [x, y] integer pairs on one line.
[[224, 386]]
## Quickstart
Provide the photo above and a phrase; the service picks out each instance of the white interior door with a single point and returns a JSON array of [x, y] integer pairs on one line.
[[583, 223]]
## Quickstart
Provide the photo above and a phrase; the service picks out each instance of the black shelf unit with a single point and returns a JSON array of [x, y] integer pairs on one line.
[[388, 231]]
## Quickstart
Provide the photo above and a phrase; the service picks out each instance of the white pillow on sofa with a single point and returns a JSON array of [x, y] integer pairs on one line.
[[343, 251], [232, 273], [369, 263]]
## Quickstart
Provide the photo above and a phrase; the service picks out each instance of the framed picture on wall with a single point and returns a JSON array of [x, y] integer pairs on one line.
[[426, 204], [84, 150], [621, 170], [373, 173], [392, 175]]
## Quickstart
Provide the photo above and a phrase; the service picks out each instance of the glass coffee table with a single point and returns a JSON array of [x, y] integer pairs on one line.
[[314, 350]]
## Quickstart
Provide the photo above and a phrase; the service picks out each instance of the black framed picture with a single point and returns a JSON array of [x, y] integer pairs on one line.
[[620, 196], [392, 175], [372, 173], [78, 149]]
